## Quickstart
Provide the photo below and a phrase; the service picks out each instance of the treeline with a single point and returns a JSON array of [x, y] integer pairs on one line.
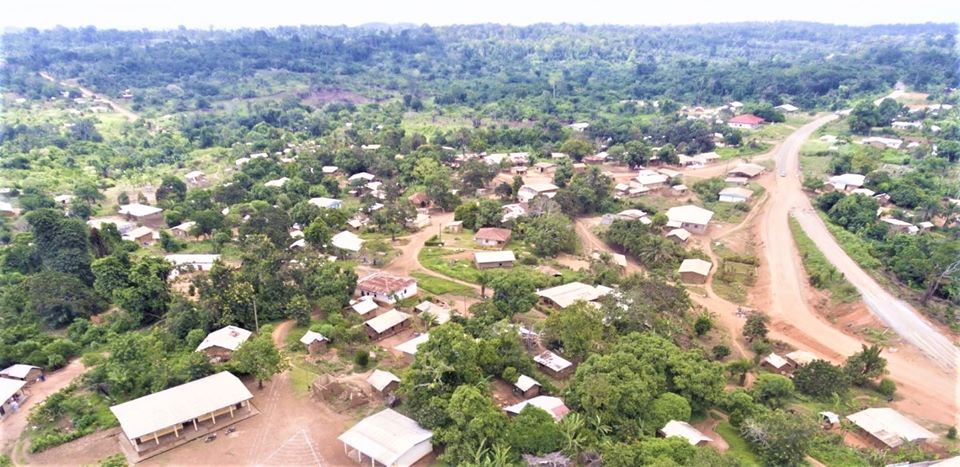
[[576, 66]]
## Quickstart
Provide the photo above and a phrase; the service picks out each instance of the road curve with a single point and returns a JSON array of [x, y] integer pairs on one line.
[[895, 313]]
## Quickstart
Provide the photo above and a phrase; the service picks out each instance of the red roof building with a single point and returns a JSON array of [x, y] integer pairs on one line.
[[745, 121], [387, 288], [492, 236]]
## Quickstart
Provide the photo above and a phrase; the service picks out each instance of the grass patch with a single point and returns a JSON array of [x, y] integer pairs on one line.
[[829, 449], [822, 274], [66, 415], [301, 378], [853, 245], [739, 448], [439, 286], [743, 151], [434, 259]]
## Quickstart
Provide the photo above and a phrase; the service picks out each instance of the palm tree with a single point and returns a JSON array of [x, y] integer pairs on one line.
[[483, 278], [571, 427]]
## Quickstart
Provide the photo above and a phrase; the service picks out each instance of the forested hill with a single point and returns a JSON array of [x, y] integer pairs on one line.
[[547, 66]]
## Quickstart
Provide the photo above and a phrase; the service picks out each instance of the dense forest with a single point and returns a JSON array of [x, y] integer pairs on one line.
[[564, 69]]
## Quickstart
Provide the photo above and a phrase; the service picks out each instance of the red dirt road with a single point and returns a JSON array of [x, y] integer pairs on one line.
[[13, 424]]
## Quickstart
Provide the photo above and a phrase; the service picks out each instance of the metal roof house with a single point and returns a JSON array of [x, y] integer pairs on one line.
[[169, 418], [692, 218], [565, 295], [387, 438], [549, 404], [494, 259], [686, 431], [889, 428], [220, 344]]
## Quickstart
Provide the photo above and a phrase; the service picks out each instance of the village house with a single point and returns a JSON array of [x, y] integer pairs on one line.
[[746, 170], [410, 347], [694, 271], [387, 288], [565, 295], [453, 227], [220, 345], [526, 387], [164, 420], [141, 213], [553, 364], [787, 108], [579, 167], [847, 182], [692, 218], [386, 324], [579, 127], [314, 342], [188, 261], [142, 235], [596, 159], [440, 313], [549, 404], [519, 170], [326, 203], [347, 242], [7, 210], [492, 237], [329, 169], [651, 179], [684, 430], [776, 364], [195, 177], [545, 167], [494, 259], [21, 372], [745, 122], [366, 307], [182, 231], [735, 195], [388, 439], [365, 176], [899, 226], [12, 395], [277, 183], [798, 358], [383, 382], [513, 211], [531, 190], [888, 429], [737, 181], [678, 235], [881, 142], [419, 199]]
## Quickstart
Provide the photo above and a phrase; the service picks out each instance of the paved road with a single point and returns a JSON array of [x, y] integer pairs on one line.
[[895, 313]]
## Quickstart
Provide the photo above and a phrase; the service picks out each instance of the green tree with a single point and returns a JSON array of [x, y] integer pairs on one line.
[[576, 148], [489, 213], [781, 438], [534, 431], [171, 189], [756, 327], [475, 422], [550, 235], [563, 173], [577, 328], [821, 379], [865, 365], [299, 309], [259, 358], [57, 298], [667, 406], [773, 390], [854, 212], [513, 294]]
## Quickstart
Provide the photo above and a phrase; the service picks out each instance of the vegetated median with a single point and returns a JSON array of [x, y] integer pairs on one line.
[[823, 275]]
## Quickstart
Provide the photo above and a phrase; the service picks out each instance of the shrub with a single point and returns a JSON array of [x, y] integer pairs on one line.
[[887, 387], [703, 325], [362, 358], [720, 351], [952, 433]]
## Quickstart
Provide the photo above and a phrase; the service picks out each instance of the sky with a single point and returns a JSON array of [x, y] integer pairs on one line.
[[233, 14]]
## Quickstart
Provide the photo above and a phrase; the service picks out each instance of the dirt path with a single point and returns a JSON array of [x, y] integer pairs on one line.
[[291, 430], [127, 113], [14, 424], [408, 260]]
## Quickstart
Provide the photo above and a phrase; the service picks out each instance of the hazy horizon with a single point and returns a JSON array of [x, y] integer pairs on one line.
[[171, 14]]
